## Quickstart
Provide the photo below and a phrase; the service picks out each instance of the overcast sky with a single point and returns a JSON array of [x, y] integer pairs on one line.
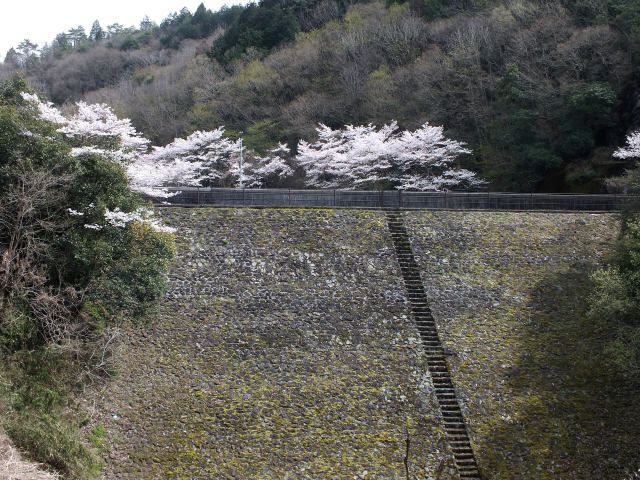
[[41, 20]]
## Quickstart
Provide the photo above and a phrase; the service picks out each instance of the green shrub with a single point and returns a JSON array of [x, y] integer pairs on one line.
[[63, 286], [615, 300], [38, 420], [580, 177], [120, 270]]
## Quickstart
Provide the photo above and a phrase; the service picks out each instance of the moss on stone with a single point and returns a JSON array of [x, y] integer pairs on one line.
[[508, 291], [284, 349]]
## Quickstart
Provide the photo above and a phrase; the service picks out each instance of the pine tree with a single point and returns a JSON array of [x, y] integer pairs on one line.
[[12, 58], [147, 24], [97, 33], [77, 35]]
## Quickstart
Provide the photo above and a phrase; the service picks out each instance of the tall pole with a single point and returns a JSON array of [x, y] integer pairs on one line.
[[241, 170]]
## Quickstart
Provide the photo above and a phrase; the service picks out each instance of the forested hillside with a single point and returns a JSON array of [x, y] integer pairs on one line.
[[542, 91]]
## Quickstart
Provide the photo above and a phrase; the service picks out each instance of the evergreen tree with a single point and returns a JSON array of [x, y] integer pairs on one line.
[[520, 157], [114, 29], [77, 35], [12, 58], [260, 26], [62, 42], [147, 24], [27, 48], [96, 33]]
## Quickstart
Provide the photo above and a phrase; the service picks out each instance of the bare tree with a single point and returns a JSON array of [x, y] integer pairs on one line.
[[30, 215]]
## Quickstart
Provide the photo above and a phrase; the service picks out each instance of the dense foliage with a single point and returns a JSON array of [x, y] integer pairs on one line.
[[260, 27], [201, 24], [63, 278], [76, 260], [615, 301], [540, 91]]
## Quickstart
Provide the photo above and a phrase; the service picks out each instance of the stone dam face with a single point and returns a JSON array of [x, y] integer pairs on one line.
[[285, 348]]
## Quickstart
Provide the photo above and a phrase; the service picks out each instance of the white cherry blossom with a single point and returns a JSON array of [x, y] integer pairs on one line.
[[365, 156], [632, 149]]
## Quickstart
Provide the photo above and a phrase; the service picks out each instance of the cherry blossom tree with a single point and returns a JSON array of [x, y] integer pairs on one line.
[[632, 149], [368, 157], [203, 157], [267, 171], [353, 157], [95, 129], [629, 182]]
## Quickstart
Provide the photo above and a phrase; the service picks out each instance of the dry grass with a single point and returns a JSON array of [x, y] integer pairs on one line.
[[14, 467]]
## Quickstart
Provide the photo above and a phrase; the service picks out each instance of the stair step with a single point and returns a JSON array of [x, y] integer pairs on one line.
[[465, 454], [431, 329], [462, 445], [451, 409], [453, 420], [426, 325]]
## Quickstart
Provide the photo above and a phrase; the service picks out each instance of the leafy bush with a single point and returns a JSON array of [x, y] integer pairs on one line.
[[38, 418], [525, 157], [71, 269], [615, 300], [51, 261]]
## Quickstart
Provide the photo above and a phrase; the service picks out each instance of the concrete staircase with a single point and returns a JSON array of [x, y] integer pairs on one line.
[[455, 427]]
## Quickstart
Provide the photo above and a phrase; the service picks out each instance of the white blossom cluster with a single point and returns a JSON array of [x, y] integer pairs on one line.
[[96, 121], [47, 111], [95, 129], [185, 161], [353, 157], [363, 156], [272, 167], [120, 219], [632, 149]]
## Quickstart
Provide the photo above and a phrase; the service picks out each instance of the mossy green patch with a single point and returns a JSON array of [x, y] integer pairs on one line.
[[284, 349], [509, 291]]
